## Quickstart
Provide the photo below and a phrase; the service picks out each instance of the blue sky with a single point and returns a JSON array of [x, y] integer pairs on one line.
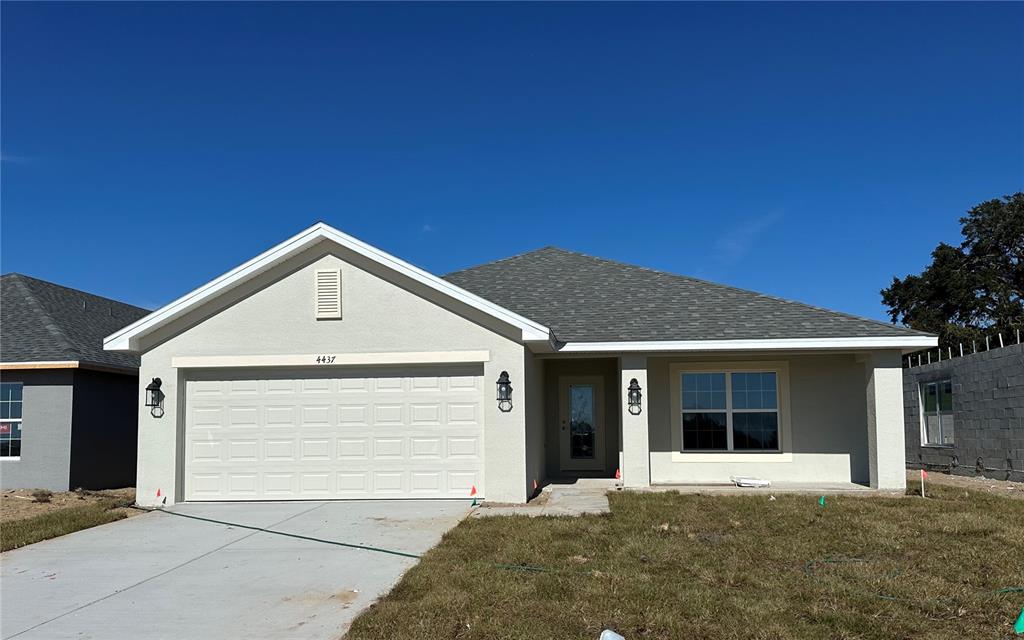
[[810, 151]]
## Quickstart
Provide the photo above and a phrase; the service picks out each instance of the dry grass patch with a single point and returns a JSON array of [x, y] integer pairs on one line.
[[666, 565]]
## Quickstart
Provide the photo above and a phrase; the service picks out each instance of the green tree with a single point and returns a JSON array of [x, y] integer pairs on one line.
[[971, 289]]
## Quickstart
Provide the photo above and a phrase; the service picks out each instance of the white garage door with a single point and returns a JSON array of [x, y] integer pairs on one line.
[[314, 435]]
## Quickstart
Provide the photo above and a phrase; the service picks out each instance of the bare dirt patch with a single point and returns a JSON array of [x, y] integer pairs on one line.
[[1002, 488], [18, 504]]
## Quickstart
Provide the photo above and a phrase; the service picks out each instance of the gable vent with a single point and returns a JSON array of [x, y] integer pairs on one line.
[[328, 293]]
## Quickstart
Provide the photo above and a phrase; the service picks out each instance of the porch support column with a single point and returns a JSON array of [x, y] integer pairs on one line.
[[636, 451], [886, 451]]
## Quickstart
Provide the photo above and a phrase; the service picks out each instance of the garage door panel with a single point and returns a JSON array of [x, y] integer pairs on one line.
[[348, 436], [388, 414], [243, 416], [425, 413], [353, 415], [243, 484], [280, 416], [353, 448], [316, 415], [425, 447], [243, 387], [243, 450]]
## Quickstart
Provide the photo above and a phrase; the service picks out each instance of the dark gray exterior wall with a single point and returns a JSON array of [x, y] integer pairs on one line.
[[79, 429], [47, 398], [988, 414], [104, 431]]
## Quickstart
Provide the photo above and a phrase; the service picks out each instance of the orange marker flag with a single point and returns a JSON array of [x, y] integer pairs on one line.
[[618, 474], [158, 493], [472, 490]]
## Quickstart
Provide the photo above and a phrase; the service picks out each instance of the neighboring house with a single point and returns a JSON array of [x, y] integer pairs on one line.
[[965, 415], [68, 409], [327, 368]]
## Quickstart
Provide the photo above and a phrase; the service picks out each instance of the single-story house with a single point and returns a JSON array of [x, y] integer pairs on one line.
[[68, 410], [325, 368]]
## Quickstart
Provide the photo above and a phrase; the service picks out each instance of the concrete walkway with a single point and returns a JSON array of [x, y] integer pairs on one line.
[[162, 576], [569, 498]]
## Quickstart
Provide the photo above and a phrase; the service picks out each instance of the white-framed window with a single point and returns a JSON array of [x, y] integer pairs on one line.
[[937, 413], [10, 419], [729, 410]]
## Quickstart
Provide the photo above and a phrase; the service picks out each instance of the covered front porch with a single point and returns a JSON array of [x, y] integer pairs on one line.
[[800, 419]]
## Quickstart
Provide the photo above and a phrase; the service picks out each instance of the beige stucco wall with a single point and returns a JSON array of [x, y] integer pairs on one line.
[[273, 315], [883, 375], [828, 423]]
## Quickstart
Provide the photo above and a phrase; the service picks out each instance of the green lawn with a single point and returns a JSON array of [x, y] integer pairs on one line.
[[18, 533], [666, 565]]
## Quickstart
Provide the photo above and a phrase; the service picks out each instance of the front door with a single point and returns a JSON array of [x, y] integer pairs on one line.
[[581, 423]]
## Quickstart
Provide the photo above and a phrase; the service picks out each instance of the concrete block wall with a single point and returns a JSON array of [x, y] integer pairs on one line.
[[988, 414]]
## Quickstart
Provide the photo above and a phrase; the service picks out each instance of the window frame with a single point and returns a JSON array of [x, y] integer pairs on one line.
[[19, 420], [938, 412], [782, 453]]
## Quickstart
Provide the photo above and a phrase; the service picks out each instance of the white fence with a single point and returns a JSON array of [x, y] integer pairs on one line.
[[992, 341]]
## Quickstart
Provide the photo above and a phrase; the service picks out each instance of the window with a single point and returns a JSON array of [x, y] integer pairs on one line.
[[730, 411], [10, 419], [937, 413]]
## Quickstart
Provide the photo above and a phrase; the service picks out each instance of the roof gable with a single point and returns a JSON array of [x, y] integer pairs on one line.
[[128, 338], [584, 299], [45, 322]]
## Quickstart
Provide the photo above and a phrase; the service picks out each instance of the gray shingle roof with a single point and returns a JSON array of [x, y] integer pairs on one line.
[[586, 299], [42, 321]]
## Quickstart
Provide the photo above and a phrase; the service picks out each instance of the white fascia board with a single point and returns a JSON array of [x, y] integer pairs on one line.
[[127, 339], [778, 344]]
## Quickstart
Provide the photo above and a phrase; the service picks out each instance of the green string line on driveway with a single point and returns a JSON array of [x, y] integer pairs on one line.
[[349, 545]]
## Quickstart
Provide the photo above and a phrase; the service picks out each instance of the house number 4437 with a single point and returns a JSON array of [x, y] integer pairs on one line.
[[325, 359]]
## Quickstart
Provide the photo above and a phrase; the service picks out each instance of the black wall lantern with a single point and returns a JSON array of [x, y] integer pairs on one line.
[[155, 398], [634, 396], [504, 392]]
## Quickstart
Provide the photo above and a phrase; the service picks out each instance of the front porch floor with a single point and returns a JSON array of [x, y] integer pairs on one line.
[[776, 487]]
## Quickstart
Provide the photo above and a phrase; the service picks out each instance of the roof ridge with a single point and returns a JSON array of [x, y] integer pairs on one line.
[[20, 277], [51, 326], [739, 289], [505, 259]]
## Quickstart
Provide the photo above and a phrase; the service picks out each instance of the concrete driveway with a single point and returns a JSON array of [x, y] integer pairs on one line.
[[163, 576]]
